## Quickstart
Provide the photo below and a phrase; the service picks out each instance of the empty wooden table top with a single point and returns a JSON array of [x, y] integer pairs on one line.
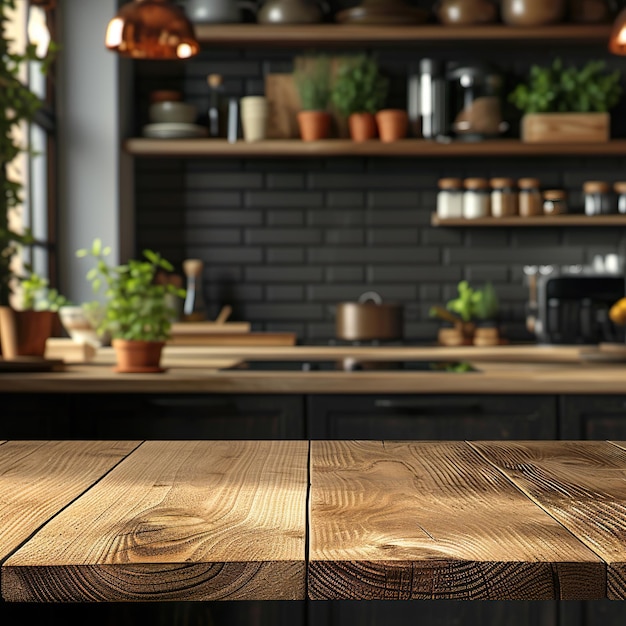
[[207, 520]]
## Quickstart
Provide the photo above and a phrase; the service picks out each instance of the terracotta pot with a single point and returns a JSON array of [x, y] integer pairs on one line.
[[314, 125], [134, 356], [24, 333], [362, 126], [393, 124]]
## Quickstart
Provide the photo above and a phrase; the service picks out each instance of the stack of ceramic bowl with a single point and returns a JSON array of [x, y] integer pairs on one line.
[[171, 118]]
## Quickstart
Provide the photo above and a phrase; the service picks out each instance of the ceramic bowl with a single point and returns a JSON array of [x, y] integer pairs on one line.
[[173, 112], [80, 323]]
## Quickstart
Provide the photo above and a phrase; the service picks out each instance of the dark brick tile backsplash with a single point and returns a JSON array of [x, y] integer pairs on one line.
[[283, 240]]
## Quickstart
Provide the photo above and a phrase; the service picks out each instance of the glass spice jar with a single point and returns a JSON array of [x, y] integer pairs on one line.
[[503, 197], [476, 198], [554, 202], [450, 198], [529, 199], [598, 198], [620, 189]]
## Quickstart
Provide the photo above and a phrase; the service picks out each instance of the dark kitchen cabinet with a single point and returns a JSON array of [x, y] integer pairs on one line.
[[434, 417], [36, 416], [191, 416], [593, 417]]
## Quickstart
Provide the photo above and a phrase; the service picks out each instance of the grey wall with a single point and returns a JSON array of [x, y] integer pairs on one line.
[[88, 139]]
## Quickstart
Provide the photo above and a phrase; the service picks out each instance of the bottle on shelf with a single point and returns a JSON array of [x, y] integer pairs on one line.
[[554, 202], [503, 197], [598, 198], [194, 308], [450, 198], [215, 112]]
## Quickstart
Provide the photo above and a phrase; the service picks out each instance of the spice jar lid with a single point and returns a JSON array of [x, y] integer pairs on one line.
[[450, 183], [596, 186], [498, 183], [620, 186], [528, 183], [554, 194], [476, 183]]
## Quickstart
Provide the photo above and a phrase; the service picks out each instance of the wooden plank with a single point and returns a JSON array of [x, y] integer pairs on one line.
[[234, 339], [209, 328], [524, 222], [202, 520], [146, 147], [582, 484], [346, 35], [39, 478], [424, 520]]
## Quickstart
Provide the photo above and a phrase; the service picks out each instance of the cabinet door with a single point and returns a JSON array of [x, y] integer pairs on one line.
[[593, 417], [36, 416], [195, 416], [432, 417]]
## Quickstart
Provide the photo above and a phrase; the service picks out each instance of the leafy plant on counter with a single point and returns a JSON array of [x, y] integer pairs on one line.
[[561, 89], [18, 105], [312, 77], [135, 306], [474, 304], [359, 86], [38, 296]]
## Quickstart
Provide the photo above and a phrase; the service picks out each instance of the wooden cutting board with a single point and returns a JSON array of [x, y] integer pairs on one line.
[[234, 339], [209, 328]]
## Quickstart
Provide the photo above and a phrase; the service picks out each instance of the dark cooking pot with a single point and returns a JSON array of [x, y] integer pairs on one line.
[[368, 319]]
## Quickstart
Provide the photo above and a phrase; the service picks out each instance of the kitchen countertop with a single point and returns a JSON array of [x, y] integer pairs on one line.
[[525, 369], [111, 521]]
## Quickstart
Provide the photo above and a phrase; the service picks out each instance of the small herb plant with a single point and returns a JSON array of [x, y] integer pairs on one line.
[[38, 296], [313, 81], [135, 306], [359, 86], [560, 89], [474, 304]]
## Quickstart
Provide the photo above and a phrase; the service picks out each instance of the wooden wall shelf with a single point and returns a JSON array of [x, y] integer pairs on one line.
[[542, 220], [144, 147], [351, 35]]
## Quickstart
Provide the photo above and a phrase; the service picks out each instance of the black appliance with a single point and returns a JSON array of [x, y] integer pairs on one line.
[[574, 308]]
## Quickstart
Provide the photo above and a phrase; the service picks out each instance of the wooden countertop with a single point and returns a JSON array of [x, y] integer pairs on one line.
[[88, 521], [523, 369]]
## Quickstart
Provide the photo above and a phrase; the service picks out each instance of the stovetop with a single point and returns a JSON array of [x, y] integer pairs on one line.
[[354, 365]]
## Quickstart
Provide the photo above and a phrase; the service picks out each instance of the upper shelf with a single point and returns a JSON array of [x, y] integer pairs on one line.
[[352, 35], [140, 146]]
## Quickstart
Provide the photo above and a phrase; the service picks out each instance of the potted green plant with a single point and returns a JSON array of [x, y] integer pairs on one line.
[[312, 77], [359, 92], [24, 332], [567, 104], [136, 312]]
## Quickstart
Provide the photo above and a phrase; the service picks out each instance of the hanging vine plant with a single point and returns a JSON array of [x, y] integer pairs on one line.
[[18, 105]]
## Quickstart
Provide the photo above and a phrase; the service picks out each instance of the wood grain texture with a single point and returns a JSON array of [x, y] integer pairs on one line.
[[351, 35], [524, 222], [562, 128], [420, 520], [146, 147], [582, 484], [203, 520], [38, 478]]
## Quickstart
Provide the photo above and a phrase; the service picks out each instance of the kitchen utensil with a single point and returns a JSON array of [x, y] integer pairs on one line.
[[532, 12], [368, 319], [382, 12], [224, 314], [173, 131], [218, 11], [194, 308], [254, 116], [172, 112], [466, 12], [291, 12]]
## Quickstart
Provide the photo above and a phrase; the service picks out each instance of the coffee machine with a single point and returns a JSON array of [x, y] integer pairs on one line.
[[572, 306]]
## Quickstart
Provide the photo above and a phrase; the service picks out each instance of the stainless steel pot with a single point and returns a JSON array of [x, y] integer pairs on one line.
[[368, 319]]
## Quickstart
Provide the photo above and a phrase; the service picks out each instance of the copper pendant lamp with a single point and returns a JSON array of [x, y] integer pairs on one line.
[[152, 29], [617, 40]]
